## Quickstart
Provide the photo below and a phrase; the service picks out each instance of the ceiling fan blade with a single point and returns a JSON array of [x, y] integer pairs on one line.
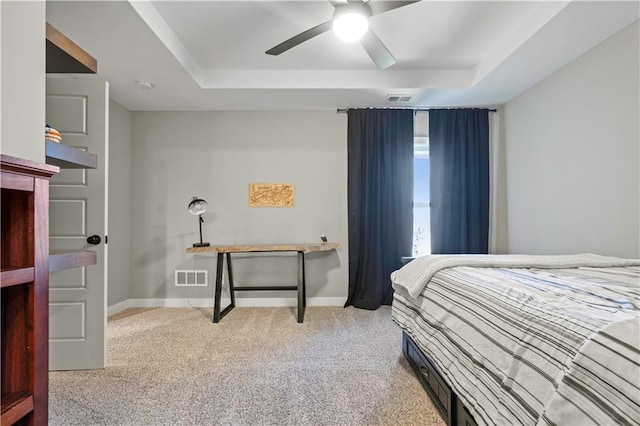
[[377, 50], [378, 7], [337, 3], [300, 38]]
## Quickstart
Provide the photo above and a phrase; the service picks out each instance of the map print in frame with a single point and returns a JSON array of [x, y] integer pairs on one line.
[[271, 195]]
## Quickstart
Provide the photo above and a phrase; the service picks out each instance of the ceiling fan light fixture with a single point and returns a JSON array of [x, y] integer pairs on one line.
[[350, 24]]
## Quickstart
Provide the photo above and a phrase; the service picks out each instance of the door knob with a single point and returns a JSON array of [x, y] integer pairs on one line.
[[94, 239]]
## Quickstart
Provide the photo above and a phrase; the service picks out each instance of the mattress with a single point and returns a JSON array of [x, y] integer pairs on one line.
[[532, 345]]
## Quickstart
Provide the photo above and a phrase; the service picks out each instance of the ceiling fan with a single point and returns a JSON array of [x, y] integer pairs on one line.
[[351, 23]]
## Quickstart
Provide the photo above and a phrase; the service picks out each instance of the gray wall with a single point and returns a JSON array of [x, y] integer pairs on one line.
[[22, 79], [120, 127], [572, 145], [215, 155]]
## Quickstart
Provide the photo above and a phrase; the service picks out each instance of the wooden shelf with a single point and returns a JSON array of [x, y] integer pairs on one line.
[[64, 56], [69, 157], [15, 406], [66, 259], [17, 276]]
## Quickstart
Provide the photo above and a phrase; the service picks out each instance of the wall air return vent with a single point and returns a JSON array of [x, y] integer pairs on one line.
[[398, 98], [191, 278]]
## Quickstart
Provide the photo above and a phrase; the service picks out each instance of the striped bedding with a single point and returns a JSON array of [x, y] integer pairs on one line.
[[530, 345]]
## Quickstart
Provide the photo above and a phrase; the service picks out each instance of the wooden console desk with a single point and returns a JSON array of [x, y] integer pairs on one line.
[[301, 249]]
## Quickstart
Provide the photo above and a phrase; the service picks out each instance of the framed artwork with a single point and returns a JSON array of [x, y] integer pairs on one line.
[[271, 194]]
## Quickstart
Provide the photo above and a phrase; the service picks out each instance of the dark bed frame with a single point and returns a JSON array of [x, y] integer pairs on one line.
[[450, 407]]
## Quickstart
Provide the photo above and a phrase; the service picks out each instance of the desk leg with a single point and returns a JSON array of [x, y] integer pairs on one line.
[[304, 285], [302, 302], [232, 290], [218, 289], [217, 314]]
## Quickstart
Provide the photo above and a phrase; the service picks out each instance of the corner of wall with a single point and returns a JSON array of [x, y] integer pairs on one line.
[[120, 201], [498, 224]]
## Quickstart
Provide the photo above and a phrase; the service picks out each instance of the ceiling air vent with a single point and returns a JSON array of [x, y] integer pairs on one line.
[[398, 98]]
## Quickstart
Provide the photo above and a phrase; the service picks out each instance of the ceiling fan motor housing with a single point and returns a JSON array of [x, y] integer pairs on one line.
[[359, 8]]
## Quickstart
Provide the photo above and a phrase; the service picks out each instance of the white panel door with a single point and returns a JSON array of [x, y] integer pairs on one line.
[[79, 109]]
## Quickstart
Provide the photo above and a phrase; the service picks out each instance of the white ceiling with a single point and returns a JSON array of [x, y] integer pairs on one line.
[[209, 55]]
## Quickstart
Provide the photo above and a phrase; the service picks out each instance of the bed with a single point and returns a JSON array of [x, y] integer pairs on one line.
[[528, 340]]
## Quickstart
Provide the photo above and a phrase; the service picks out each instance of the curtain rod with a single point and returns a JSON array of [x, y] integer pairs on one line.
[[345, 110]]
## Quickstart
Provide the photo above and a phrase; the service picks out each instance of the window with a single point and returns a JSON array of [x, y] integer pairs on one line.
[[421, 212]]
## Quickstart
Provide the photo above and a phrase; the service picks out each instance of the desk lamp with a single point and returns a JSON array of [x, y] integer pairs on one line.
[[197, 207]]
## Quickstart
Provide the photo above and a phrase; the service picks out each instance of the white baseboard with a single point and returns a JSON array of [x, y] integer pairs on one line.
[[208, 303], [119, 307]]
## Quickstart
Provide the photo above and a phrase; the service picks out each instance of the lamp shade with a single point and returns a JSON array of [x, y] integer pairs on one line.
[[197, 206]]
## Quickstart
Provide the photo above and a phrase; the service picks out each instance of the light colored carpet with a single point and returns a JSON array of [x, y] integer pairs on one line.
[[257, 366]]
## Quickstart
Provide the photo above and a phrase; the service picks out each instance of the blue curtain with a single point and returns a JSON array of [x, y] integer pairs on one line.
[[380, 198], [459, 180]]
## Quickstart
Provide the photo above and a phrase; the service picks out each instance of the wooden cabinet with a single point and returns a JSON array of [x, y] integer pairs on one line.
[[24, 278]]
